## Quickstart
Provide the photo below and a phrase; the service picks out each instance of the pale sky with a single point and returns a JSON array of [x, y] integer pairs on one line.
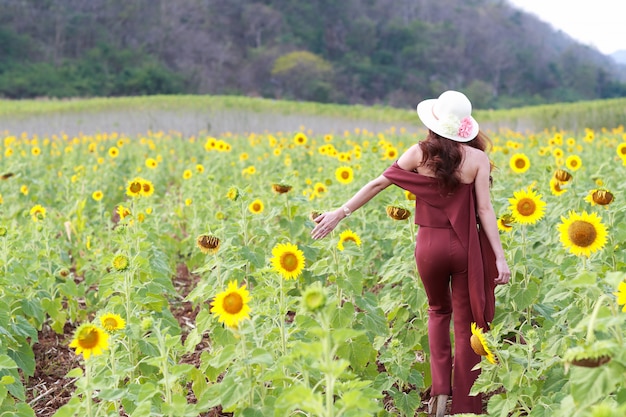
[[597, 23]]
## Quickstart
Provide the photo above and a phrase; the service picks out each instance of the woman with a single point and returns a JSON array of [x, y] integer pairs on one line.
[[458, 250]]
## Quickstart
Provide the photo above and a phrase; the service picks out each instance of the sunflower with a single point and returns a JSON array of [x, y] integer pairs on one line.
[[24, 189], [344, 174], [505, 222], [555, 187], [256, 207], [391, 153], [231, 305], [120, 262], [478, 341], [122, 211], [621, 150], [151, 163], [573, 162], [208, 243], [187, 174], [314, 214], [397, 213], [281, 188], [199, 168], [97, 195], [233, 194], [583, 233], [600, 197], [134, 187], [111, 321], [519, 163], [114, 152], [300, 139], [35, 151], [147, 189], [288, 260], [348, 236], [320, 188], [527, 206], [621, 295], [562, 175], [38, 212], [409, 195], [90, 340]]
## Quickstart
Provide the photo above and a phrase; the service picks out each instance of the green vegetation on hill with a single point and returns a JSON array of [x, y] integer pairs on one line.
[[391, 52]]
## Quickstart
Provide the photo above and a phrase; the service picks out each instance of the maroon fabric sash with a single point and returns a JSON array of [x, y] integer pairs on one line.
[[460, 210]]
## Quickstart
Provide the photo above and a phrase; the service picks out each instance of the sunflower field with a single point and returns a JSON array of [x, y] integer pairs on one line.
[[180, 274]]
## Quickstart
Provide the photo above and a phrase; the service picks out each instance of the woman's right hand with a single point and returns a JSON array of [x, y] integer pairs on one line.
[[504, 274], [326, 223]]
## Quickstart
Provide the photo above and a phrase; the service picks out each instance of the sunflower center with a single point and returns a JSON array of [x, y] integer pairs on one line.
[[289, 262], [582, 233], [349, 239], [526, 207], [233, 303], [573, 163], [256, 207], [345, 175], [623, 150], [520, 163], [135, 187], [146, 188], [110, 323], [88, 338]]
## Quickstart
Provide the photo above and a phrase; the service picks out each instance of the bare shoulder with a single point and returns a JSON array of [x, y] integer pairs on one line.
[[475, 157], [474, 161], [411, 158]]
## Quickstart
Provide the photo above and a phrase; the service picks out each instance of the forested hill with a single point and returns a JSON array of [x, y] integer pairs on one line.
[[392, 52]]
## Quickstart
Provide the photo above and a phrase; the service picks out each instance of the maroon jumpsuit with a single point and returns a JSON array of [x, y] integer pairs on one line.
[[457, 267]]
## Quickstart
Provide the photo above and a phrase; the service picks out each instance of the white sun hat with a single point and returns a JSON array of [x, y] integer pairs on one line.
[[449, 116]]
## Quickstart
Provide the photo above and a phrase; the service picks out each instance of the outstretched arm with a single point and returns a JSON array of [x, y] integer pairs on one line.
[[326, 222]]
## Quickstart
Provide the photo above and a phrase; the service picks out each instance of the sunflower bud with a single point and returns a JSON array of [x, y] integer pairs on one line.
[[120, 262], [398, 213], [314, 298]]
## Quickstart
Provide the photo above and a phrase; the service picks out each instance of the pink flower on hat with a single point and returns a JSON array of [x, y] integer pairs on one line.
[[465, 127]]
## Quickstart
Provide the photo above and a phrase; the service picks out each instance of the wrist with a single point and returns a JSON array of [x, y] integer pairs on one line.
[[346, 211]]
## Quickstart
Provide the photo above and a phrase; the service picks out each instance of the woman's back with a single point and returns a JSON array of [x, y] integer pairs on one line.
[[467, 170]]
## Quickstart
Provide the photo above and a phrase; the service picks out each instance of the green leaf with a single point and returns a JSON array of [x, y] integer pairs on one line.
[[407, 403], [524, 297], [501, 405], [260, 356], [298, 397], [7, 363], [583, 279], [587, 385]]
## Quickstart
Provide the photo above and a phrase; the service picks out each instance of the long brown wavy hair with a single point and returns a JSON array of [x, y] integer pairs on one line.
[[443, 157]]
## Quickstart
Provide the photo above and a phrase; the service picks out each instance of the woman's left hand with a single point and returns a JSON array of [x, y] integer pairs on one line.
[[326, 223]]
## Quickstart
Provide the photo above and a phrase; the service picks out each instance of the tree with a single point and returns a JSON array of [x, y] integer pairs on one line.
[[303, 75]]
